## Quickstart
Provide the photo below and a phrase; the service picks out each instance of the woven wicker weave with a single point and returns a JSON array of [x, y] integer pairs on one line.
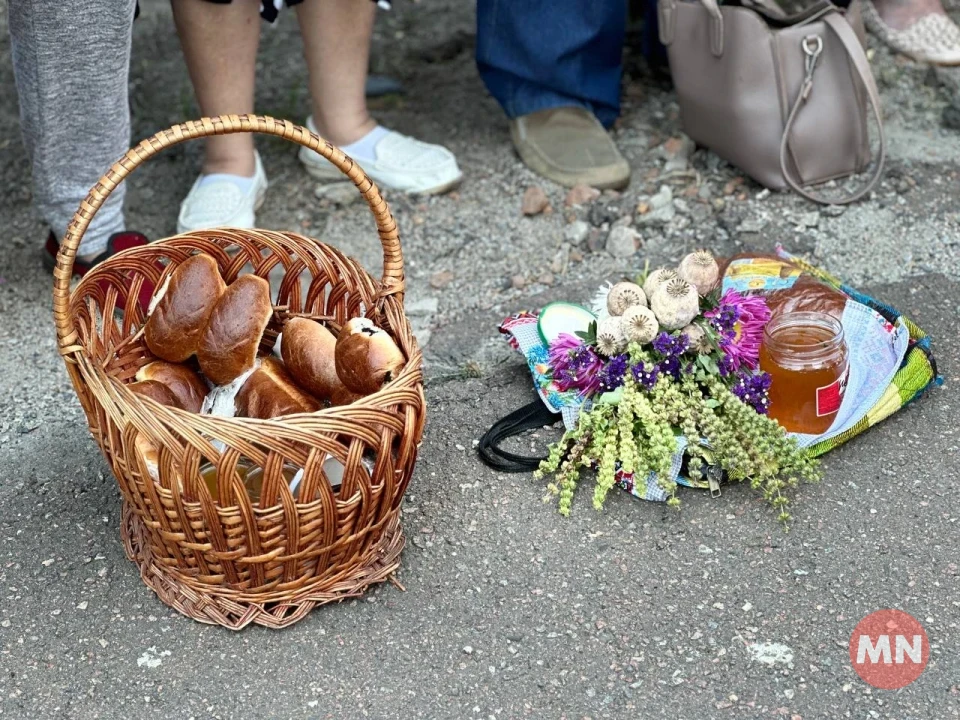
[[222, 559]]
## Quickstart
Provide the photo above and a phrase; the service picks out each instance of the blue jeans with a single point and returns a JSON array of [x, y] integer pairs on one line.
[[539, 54]]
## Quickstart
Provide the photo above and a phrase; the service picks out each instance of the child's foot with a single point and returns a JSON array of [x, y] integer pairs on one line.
[[82, 264], [393, 161], [223, 200]]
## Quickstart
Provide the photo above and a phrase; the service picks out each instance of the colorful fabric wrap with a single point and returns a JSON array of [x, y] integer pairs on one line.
[[891, 366]]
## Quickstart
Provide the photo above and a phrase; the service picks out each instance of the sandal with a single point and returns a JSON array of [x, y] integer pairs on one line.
[[934, 38]]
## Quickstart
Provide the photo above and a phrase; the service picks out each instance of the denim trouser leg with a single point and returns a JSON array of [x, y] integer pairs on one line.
[[538, 54]]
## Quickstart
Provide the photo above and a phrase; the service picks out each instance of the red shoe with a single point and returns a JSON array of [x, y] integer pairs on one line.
[[118, 242]]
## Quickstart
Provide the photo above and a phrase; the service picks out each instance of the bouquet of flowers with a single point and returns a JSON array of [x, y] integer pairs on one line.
[[661, 360]]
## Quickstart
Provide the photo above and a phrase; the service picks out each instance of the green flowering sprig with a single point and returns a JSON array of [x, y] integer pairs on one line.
[[640, 431]]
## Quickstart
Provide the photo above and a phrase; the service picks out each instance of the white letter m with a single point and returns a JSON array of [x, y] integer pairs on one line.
[[881, 649]]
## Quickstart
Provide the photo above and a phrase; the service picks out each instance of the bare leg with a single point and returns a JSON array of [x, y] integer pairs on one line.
[[220, 46], [336, 43], [901, 14]]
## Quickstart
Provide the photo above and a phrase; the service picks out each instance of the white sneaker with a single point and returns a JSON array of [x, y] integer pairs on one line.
[[402, 163], [221, 203]]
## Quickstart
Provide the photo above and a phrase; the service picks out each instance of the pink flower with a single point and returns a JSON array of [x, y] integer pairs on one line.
[[575, 365], [740, 319]]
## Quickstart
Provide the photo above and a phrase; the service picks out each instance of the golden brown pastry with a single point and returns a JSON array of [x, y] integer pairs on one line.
[[344, 396], [366, 357], [174, 327], [270, 392], [156, 391], [228, 346], [309, 350], [187, 387]]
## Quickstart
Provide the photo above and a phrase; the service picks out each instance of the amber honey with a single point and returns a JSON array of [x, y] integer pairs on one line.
[[806, 356]]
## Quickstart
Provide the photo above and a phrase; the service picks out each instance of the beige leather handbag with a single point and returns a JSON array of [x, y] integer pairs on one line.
[[784, 98]]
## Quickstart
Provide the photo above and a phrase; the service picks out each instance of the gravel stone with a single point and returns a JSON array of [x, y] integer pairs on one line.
[[623, 242]]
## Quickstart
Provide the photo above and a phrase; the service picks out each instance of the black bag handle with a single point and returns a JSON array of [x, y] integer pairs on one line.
[[529, 417]]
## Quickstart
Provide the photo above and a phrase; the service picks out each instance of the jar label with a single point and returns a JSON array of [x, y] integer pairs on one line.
[[830, 397]]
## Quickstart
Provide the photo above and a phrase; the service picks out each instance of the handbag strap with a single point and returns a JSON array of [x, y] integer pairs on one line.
[[529, 417], [855, 52]]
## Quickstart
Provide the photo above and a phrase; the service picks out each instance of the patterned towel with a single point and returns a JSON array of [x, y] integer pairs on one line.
[[890, 366]]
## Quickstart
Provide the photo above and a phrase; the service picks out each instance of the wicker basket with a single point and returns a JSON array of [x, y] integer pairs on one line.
[[223, 559]]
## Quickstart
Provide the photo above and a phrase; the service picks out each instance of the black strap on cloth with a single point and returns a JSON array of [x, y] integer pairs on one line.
[[529, 417]]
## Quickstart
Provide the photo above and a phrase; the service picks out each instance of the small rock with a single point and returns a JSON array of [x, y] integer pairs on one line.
[[581, 195], [625, 221], [662, 209], [622, 242], [441, 279], [678, 151], [576, 232], [595, 240], [82, 606], [4, 623], [518, 282], [535, 201], [704, 550], [809, 219], [747, 607], [951, 116], [732, 185], [834, 210], [467, 650], [753, 225], [338, 193], [576, 256], [601, 213], [546, 279], [560, 259], [788, 694], [662, 199]]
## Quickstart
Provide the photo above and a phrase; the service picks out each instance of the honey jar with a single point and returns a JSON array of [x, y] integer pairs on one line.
[[806, 356]]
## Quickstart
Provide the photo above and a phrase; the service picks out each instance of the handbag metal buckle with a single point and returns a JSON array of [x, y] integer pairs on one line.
[[812, 47]]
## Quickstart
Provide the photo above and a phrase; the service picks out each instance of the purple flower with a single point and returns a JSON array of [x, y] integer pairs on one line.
[[663, 344], [726, 365], [668, 345], [670, 366], [575, 365], [752, 389], [645, 375], [611, 377]]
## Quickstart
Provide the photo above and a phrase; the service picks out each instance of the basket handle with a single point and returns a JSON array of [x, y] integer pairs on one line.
[[392, 280]]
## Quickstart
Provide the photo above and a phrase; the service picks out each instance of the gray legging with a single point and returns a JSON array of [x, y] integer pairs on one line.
[[71, 60]]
